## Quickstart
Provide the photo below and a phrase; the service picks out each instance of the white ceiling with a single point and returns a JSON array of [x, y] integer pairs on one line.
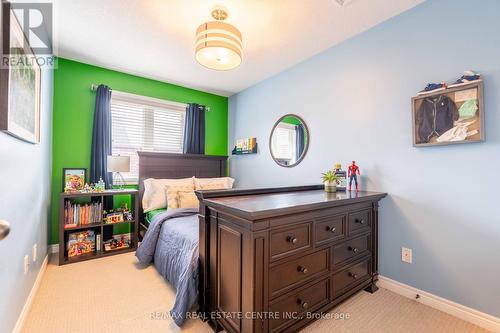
[[155, 38]]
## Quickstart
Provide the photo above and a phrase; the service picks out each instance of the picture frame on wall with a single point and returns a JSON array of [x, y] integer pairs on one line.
[[450, 116], [74, 179], [19, 82]]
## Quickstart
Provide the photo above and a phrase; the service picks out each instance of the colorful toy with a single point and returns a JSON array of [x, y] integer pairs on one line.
[[341, 177], [100, 186], [352, 173], [86, 188]]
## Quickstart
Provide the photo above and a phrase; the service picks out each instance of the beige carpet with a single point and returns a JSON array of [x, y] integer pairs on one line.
[[114, 295]]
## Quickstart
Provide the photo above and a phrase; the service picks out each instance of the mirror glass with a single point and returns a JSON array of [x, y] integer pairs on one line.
[[289, 140]]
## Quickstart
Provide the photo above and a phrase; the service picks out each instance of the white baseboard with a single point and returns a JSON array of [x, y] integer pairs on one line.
[[31, 297], [476, 317], [53, 248]]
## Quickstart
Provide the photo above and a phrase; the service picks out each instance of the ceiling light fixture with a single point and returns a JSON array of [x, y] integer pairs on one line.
[[218, 44]]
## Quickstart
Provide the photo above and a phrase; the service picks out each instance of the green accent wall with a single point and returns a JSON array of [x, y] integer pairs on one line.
[[73, 112], [290, 120], [294, 121]]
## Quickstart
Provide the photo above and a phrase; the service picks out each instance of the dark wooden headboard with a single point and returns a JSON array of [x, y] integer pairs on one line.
[[173, 166]]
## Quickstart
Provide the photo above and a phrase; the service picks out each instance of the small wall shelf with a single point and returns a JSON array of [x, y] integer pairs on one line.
[[245, 152]]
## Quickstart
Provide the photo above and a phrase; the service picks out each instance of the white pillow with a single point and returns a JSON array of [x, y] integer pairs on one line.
[[188, 200], [173, 192], [155, 196], [226, 181]]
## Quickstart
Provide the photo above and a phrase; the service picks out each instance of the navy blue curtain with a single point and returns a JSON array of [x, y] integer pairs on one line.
[[300, 137], [194, 129], [101, 137]]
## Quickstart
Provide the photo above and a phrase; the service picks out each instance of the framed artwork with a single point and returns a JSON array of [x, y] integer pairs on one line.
[[74, 179], [19, 82], [450, 116]]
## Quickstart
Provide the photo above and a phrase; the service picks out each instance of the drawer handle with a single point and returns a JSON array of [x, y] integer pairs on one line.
[[292, 239], [304, 305], [354, 276], [353, 249], [331, 229], [360, 221], [303, 269]]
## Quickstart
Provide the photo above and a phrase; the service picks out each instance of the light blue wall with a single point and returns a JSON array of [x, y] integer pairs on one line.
[[25, 171], [355, 98]]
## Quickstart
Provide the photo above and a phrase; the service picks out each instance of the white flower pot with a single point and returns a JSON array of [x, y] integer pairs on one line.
[[331, 187]]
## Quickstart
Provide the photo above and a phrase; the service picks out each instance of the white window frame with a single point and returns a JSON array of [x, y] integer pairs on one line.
[[148, 102], [292, 142]]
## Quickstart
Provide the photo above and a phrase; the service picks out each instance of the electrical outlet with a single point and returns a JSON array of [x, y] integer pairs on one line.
[[406, 255], [26, 264], [34, 252]]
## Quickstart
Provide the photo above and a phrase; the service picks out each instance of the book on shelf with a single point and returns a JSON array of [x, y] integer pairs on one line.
[[245, 145], [78, 214], [98, 242]]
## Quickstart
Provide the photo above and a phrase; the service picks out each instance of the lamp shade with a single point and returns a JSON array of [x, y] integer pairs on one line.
[[218, 45], [118, 163]]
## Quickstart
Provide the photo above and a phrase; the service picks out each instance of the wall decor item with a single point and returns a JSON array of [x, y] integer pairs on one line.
[[19, 83], [74, 179], [451, 115], [289, 140]]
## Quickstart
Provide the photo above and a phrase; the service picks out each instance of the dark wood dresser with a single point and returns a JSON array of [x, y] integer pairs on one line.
[[271, 258]]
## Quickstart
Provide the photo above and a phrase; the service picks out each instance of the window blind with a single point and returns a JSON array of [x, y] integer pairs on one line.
[[283, 142], [145, 124]]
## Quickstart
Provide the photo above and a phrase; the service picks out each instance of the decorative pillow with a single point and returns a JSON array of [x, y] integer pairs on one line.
[[154, 192], [226, 181], [212, 186], [188, 200], [173, 195]]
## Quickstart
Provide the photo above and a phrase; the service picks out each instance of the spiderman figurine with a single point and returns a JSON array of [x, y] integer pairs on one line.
[[352, 173]]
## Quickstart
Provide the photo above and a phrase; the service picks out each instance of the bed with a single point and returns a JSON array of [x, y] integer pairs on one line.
[[170, 239]]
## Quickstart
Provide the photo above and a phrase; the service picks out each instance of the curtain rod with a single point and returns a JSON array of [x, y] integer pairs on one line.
[[93, 87]]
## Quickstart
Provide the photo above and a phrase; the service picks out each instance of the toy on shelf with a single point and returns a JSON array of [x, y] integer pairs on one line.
[[100, 186], [341, 177], [87, 188], [352, 173], [118, 242]]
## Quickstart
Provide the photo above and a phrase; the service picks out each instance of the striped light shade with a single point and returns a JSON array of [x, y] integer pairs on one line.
[[218, 45]]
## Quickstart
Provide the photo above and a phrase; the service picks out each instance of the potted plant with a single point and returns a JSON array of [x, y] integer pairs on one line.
[[330, 180]]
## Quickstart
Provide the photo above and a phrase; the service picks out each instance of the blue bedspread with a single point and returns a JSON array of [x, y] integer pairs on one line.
[[171, 241]]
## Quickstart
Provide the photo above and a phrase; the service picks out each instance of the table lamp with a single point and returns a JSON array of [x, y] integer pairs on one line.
[[119, 164]]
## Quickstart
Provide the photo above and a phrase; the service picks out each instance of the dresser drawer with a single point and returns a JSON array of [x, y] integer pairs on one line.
[[329, 229], [287, 241], [351, 249], [359, 221], [350, 276], [292, 307], [289, 274]]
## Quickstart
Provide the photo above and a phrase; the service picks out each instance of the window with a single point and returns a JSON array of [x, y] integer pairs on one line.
[[283, 143], [143, 123]]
